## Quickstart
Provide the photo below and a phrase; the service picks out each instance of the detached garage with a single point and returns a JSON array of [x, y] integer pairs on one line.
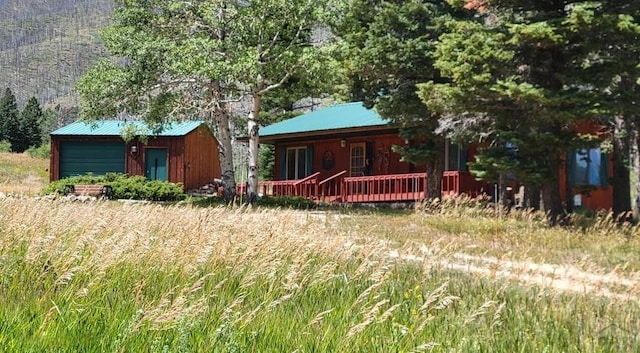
[[96, 157], [185, 152]]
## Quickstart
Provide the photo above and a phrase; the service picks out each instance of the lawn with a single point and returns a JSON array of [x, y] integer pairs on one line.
[[113, 277], [458, 277]]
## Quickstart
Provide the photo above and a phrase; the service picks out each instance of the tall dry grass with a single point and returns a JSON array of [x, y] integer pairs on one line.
[[21, 174], [112, 277], [465, 225]]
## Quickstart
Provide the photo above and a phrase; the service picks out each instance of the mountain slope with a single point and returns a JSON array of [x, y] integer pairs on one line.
[[46, 45]]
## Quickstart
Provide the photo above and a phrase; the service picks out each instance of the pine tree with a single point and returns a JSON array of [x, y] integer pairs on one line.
[[390, 47], [517, 78], [9, 119], [30, 130], [607, 70]]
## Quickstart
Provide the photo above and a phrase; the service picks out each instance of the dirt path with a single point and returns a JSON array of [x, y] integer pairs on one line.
[[557, 277]]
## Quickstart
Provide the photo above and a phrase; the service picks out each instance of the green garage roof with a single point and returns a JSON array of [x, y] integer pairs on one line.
[[342, 116], [115, 128]]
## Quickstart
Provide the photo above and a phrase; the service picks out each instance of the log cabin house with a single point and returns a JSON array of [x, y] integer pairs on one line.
[[343, 153]]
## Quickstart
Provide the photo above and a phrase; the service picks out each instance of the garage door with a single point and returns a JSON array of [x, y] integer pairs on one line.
[[98, 158]]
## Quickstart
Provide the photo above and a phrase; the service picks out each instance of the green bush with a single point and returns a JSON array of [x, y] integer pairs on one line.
[[296, 202], [5, 146], [42, 151], [292, 202], [124, 187]]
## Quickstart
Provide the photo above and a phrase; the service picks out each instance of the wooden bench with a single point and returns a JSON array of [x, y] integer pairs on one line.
[[99, 191]]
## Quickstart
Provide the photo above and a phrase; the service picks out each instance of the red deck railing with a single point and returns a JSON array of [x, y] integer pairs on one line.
[[391, 187], [331, 187], [307, 187], [457, 183], [376, 188], [270, 188]]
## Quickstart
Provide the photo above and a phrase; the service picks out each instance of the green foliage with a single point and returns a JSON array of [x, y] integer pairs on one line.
[[30, 124], [267, 162], [48, 124], [186, 58], [10, 120], [124, 187], [295, 202], [22, 130], [42, 151], [389, 49], [287, 202], [522, 73], [201, 49], [5, 146]]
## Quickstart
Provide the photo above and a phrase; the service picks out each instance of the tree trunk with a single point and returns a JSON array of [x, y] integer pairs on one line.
[[503, 195], [532, 197], [570, 204], [621, 177], [252, 129], [225, 148], [552, 202], [635, 141], [435, 168]]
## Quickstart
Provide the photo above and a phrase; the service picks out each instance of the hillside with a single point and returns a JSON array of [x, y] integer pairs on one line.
[[46, 45]]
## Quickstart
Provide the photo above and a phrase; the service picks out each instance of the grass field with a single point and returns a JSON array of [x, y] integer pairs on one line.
[[22, 174], [115, 277]]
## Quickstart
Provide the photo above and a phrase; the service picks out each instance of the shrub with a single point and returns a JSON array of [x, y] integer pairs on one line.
[[42, 151], [5, 146], [287, 202], [124, 187], [290, 202]]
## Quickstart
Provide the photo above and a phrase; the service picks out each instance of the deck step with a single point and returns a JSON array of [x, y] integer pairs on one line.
[[331, 199]]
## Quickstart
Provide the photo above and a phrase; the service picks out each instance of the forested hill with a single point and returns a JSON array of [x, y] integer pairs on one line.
[[46, 45]]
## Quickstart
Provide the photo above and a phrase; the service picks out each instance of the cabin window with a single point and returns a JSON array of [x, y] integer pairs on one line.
[[588, 163], [455, 157], [358, 162], [297, 163]]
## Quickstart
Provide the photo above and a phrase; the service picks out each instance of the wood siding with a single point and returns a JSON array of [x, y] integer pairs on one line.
[[201, 158], [602, 195], [175, 156], [192, 159], [379, 152], [385, 161]]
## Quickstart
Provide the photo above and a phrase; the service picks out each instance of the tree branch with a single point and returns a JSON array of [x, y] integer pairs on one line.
[[279, 83]]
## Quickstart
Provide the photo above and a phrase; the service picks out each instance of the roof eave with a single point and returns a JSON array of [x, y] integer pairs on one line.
[[320, 133]]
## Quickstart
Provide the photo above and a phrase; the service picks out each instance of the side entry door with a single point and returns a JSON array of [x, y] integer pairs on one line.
[[155, 164]]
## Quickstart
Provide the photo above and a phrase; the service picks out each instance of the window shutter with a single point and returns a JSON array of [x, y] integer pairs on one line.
[[571, 168], [462, 166], [283, 163], [309, 160], [369, 157], [604, 170]]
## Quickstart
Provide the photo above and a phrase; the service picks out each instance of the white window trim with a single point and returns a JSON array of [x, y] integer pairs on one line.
[[296, 162]]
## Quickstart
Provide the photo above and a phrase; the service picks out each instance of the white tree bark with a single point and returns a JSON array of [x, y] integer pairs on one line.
[[254, 140], [225, 149]]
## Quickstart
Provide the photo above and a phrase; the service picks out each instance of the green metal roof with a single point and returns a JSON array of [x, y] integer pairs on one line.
[[341, 116], [115, 128]]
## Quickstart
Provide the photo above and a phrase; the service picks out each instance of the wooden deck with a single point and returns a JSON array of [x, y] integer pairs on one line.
[[456, 183], [376, 188]]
